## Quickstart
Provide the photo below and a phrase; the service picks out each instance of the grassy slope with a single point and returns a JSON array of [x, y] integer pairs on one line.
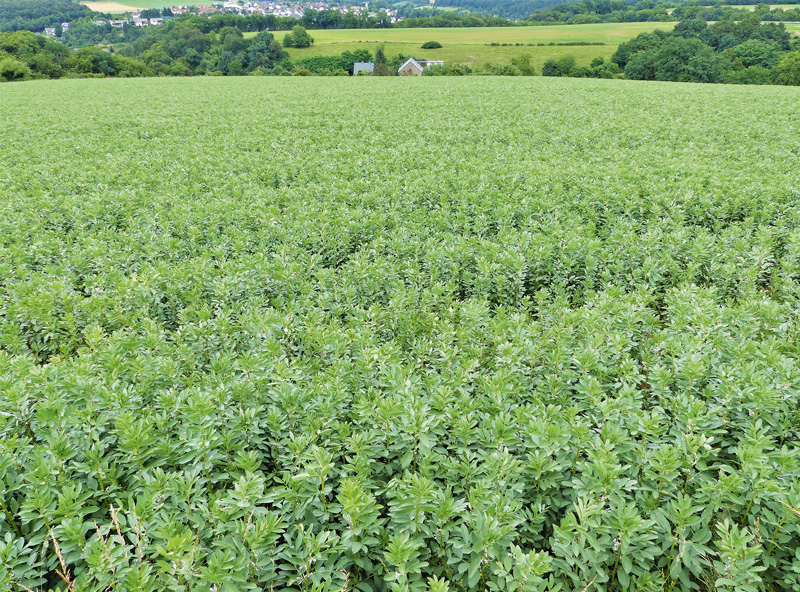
[[471, 44], [772, 6], [474, 55], [141, 4], [599, 33]]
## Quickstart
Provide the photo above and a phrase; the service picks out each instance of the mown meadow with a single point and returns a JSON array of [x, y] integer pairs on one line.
[[115, 6], [399, 334], [478, 46]]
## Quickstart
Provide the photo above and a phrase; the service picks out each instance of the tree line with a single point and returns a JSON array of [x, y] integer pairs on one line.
[[739, 52], [618, 11]]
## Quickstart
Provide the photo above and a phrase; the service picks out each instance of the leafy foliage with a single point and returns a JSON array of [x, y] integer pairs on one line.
[[24, 55], [299, 37], [341, 64], [179, 49], [744, 52], [502, 348], [35, 15]]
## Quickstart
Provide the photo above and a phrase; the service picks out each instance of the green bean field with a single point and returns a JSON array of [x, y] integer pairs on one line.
[[399, 334]]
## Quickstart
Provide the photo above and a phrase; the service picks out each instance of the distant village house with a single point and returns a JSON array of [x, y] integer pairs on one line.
[[413, 67], [365, 67]]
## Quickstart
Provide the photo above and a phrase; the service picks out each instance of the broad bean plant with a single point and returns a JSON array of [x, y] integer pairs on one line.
[[368, 335]]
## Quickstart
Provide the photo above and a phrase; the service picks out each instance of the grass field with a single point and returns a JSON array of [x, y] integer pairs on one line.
[[428, 334], [472, 55], [128, 5], [614, 33], [471, 45], [752, 7]]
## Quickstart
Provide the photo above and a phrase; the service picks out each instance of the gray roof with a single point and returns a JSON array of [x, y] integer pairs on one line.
[[363, 67]]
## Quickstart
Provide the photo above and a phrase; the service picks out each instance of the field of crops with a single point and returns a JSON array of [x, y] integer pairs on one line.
[[399, 334], [472, 45]]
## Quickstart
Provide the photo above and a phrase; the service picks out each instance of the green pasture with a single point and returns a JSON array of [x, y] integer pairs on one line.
[[613, 33], [473, 45], [473, 55], [752, 7], [126, 5]]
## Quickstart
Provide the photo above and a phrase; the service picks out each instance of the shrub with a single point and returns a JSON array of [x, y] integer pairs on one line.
[[523, 64], [788, 69], [559, 67], [299, 37], [581, 72], [12, 69], [431, 45], [551, 68]]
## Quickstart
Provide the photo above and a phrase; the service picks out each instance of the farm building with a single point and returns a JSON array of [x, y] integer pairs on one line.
[[365, 67], [413, 67]]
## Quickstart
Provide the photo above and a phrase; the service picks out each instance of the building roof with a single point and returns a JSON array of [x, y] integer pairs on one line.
[[413, 62], [363, 67]]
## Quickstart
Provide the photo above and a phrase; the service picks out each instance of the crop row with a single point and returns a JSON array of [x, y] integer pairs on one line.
[[538, 345]]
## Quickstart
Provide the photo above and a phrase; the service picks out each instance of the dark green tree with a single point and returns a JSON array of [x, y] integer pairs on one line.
[[380, 56], [686, 60], [523, 64], [641, 66], [265, 51], [551, 68], [12, 69], [755, 52], [788, 69], [299, 37]]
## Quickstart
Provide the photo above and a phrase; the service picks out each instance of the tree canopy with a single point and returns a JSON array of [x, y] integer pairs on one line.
[[36, 15], [299, 37], [728, 51]]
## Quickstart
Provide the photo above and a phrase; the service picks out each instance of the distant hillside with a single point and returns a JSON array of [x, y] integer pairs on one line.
[[513, 9], [35, 15]]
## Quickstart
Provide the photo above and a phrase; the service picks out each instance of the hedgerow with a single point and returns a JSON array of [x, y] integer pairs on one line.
[[530, 344]]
